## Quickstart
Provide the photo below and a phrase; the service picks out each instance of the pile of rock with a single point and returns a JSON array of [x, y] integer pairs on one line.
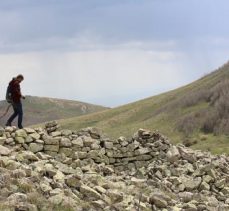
[[89, 145], [52, 126], [54, 169], [196, 180], [137, 152]]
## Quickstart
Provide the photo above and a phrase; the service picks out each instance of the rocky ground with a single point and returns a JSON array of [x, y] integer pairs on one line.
[[54, 169]]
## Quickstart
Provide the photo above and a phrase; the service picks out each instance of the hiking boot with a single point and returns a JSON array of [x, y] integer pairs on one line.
[[8, 124]]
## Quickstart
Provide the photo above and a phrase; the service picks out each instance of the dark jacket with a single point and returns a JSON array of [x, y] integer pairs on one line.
[[15, 91]]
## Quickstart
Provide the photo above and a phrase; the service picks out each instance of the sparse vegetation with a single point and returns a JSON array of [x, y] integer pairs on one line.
[[201, 107], [41, 109], [212, 119]]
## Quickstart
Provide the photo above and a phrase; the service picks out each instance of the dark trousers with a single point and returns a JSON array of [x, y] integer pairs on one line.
[[18, 111]]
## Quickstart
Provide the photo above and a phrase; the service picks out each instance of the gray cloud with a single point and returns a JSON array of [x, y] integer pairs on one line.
[[110, 52], [24, 21]]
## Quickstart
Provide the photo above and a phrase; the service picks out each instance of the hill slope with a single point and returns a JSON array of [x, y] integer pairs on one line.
[[41, 109], [189, 112]]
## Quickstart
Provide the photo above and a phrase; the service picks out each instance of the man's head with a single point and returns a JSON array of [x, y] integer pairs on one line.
[[20, 78]]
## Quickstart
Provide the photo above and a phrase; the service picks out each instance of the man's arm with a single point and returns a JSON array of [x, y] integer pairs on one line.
[[17, 91]]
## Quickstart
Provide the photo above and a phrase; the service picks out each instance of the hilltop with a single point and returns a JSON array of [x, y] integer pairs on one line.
[[42, 109], [197, 111]]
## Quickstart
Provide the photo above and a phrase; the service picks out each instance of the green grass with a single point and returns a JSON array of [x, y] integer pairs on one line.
[[162, 112], [214, 144]]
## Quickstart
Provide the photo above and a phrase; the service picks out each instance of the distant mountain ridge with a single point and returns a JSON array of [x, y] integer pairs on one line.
[[197, 113], [41, 109]]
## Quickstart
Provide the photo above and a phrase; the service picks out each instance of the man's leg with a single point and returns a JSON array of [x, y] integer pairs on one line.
[[13, 116], [20, 115]]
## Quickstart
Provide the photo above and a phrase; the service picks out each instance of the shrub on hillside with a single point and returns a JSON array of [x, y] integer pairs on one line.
[[222, 128], [187, 125], [189, 142], [214, 119], [195, 97]]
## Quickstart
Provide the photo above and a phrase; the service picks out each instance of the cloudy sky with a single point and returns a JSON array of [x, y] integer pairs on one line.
[[110, 52]]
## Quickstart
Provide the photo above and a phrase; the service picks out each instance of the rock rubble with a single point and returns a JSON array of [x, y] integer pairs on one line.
[[54, 169]]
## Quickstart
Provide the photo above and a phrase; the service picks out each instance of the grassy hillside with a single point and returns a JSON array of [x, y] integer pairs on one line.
[[198, 112], [40, 109]]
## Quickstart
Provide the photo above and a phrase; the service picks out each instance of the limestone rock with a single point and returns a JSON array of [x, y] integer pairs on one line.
[[89, 192], [73, 181], [2, 140], [187, 154], [45, 187], [57, 199], [173, 154], [186, 196], [52, 148], [65, 142], [34, 147], [56, 134], [107, 170], [4, 150], [66, 151], [142, 151], [204, 186], [59, 176], [78, 142], [21, 133], [10, 129], [28, 139], [115, 196], [158, 201], [35, 136], [20, 140], [191, 183], [225, 191], [99, 204], [66, 132], [108, 144], [50, 170], [17, 198], [145, 134], [27, 155], [29, 130], [88, 141], [52, 141], [95, 133], [81, 155]]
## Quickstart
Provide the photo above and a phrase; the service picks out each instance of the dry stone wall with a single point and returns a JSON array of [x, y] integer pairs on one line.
[[89, 145]]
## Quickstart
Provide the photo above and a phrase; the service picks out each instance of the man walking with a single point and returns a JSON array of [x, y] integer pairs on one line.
[[15, 97]]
